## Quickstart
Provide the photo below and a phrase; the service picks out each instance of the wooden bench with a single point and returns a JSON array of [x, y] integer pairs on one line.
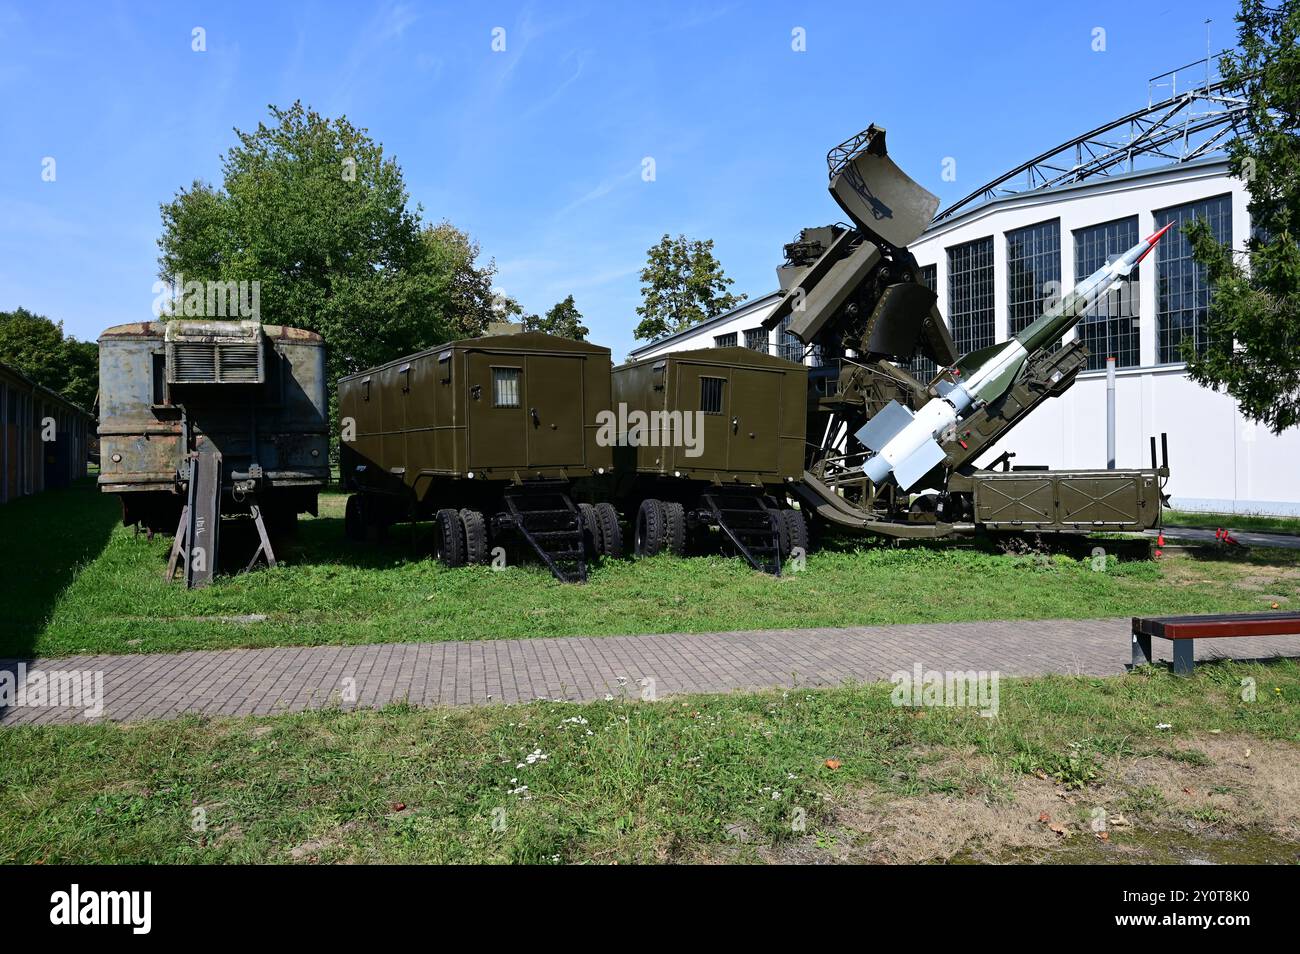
[[1185, 630]]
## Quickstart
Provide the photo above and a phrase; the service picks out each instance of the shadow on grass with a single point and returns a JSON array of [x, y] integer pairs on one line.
[[46, 539], [320, 541]]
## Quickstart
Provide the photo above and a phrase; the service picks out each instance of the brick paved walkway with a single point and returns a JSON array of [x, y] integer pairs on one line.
[[265, 681]]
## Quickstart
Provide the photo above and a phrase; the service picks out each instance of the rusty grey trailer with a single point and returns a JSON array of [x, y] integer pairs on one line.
[[205, 419]]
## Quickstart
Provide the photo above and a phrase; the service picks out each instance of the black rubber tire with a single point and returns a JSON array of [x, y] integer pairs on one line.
[[354, 519], [675, 528], [591, 541], [611, 533], [376, 517], [795, 532], [650, 534], [476, 537], [449, 538]]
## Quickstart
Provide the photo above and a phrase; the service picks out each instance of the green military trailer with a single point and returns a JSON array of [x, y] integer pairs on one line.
[[709, 440], [488, 436]]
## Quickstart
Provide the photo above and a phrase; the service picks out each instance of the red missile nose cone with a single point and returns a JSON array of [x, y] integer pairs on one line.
[[1152, 240], [1156, 238]]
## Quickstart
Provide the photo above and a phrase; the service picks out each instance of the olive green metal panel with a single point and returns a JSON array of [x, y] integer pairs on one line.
[[753, 425], [1015, 500], [752, 429], [555, 413], [689, 381], [502, 407], [1101, 499], [389, 388], [1067, 500], [496, 432]]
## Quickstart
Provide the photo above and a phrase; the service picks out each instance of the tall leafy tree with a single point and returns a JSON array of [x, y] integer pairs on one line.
[[312, 209], [1253, 329], [563, 319], [37, 347], [465, 281], [681, 285]]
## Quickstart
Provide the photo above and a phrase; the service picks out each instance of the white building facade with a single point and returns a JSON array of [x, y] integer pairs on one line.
[[995, 266]]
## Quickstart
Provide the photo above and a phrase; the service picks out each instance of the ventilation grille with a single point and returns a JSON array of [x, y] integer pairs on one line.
[[214, 362]]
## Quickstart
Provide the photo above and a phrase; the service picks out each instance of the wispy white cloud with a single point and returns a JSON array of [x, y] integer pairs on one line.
[[387, 26], [599, 191], [579, 59]]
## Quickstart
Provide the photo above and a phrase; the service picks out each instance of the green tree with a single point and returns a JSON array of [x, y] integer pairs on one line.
[[36, 346], [467, 284], [313, 210], [1253, 340], [563, 319], [81, 372], [681, 285]]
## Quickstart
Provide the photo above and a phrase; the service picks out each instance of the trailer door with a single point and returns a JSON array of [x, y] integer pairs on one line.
[[703, 391], [555, 408], [754, 421], [496, 411]]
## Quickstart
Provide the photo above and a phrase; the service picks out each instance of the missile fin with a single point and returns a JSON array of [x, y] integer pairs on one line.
[[921, 461], [1000, 385], [878, 431], [971, 362]]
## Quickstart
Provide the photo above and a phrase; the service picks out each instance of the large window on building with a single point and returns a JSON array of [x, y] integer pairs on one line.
[[1109, 327], [787, 345], [922, 368], [725, 341], [756, 339], [970, 294], [1182, 289], [1033, 272]]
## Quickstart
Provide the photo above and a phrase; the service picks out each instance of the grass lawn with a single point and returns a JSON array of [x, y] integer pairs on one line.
[[77, 582], [800, 775], [1261, 523]]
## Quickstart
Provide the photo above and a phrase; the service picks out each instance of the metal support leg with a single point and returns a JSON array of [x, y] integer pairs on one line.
[[1184, 660], [179, 543], [1141, 650], [264, 544]]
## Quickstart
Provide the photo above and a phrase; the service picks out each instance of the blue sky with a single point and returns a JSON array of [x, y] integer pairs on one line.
[[537, 151]]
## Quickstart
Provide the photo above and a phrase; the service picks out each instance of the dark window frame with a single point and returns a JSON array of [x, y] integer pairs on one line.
[[1183, 290], [711, 399], [518, 380], [1112, 326], [1033, 272], [972, 310]]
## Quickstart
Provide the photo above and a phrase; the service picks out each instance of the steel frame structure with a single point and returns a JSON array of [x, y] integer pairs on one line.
[[1179, 128]]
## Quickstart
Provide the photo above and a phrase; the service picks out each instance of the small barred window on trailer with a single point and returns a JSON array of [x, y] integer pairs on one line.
[[505, 387], [711, 395]]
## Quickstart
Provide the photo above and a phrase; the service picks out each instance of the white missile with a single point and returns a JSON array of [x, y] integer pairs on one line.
[[906, 445]]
